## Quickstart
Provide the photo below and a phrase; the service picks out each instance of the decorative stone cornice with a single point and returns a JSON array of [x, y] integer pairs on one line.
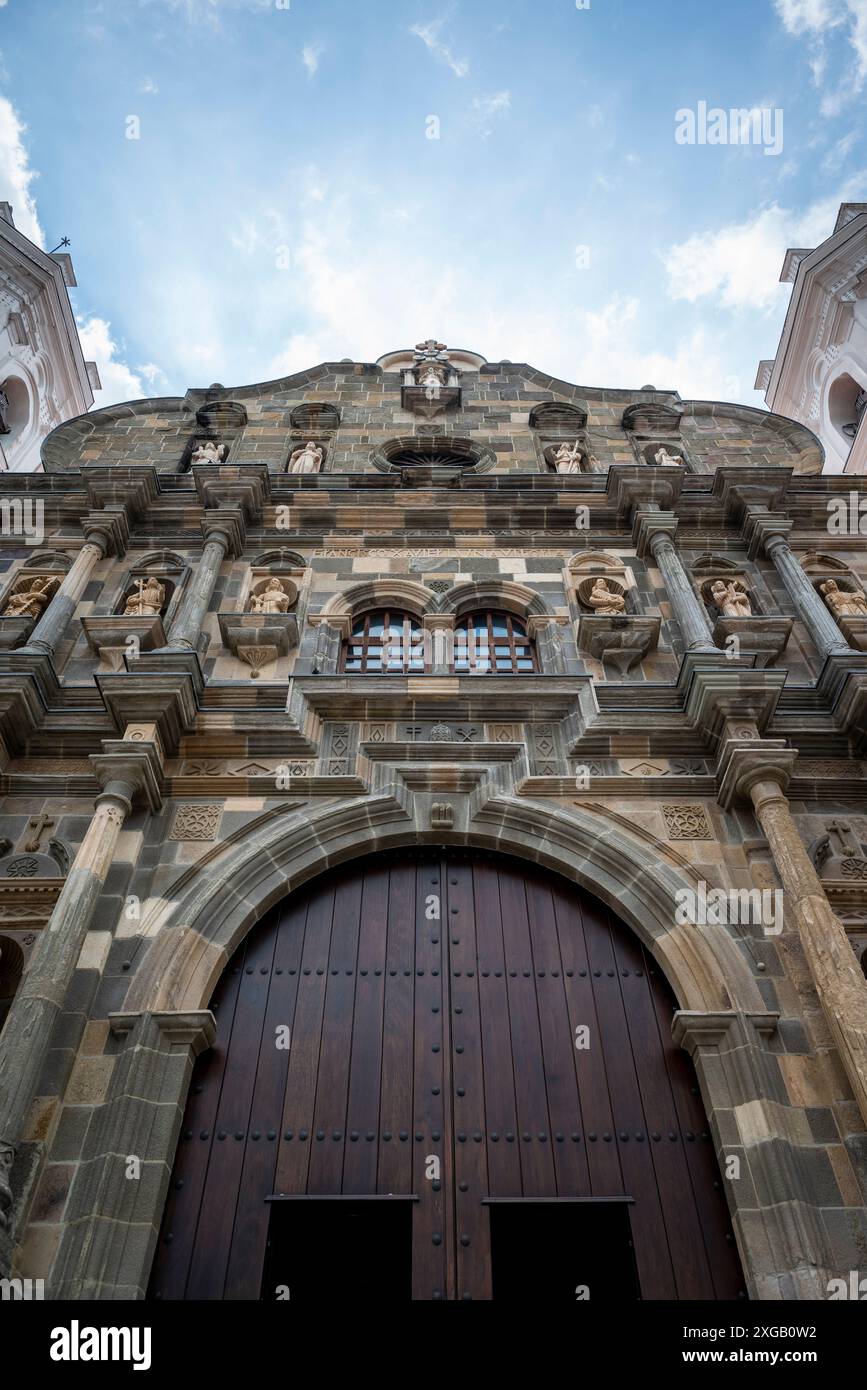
[[739, 487], [245, 486], [692, 1030], [637, 485], [195, 1029], [130, 486], [162, 689], [726, 691]]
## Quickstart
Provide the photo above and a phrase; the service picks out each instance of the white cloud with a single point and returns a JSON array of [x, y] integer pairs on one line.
[[816, 19], [429, 35], [739, 265], [153, 376], [148, 87], [839, 153], [209, 11], [486, 109], [310, 58], [119, 382], [16, 176], [351, 305]]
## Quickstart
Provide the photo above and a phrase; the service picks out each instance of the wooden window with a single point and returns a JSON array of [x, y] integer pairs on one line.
[[492, 643], [385, 642]]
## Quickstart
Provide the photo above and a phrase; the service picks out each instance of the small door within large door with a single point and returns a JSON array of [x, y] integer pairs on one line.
[[318, 1247], [470, 1034]]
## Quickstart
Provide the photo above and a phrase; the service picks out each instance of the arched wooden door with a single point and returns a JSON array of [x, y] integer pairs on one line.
[[444, 1075]]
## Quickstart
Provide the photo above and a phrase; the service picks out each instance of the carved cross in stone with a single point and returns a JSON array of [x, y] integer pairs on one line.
[[429, 350], [37, 824], [842, 828]]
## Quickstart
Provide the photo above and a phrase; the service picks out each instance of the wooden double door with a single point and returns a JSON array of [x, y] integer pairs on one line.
[[444, 1075]]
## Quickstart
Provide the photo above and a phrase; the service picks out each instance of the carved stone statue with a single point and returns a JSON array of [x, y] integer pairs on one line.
[[605, 600], [209, 452], [568, 460], [30, 602], [5, 427], [307, 459], [147, 599], [842, 603], [272, 599], [665, 459], [731, 599], [431, 376]]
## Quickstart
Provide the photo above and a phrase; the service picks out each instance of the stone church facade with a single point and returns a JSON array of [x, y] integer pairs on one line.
[[379, 613]]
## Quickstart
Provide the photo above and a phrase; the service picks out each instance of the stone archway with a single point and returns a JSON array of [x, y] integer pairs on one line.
[[112, 1224], [444, 1027]]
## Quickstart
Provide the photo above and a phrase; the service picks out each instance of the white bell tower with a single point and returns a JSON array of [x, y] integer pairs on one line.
[[44, 378]]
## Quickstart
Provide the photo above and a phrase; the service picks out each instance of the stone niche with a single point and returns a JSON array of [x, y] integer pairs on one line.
[[312, 425], [149, 598], [652, 419], [760, 635], [218, 425], [842, 593], [266, 627], [24, 603], [607, 627], [724, 588], [663, 453], [572, 455]]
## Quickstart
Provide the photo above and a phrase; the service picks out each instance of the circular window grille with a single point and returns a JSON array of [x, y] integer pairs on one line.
[[435, 456]]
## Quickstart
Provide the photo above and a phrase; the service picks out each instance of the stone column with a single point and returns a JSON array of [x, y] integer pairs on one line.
[[840, 983], [770, 534], [105, 534], [761, 775], [223, 536], [654, 532], [438, 638], [123, 770]]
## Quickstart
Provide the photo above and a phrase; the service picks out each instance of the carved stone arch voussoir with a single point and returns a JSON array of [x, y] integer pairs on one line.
[[501, 594], [217, 907], [406, 594]]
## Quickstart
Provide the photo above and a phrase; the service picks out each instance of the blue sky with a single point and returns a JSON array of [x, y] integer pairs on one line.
[[284, 204]]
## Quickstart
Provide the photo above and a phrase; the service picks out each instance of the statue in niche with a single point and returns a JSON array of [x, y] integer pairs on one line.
[[731, 599], [604, 600], [665, 459], [307, 459], [568, 460], [432, 376], [29, 602], [209, 452], [147, 599], [842, 603], [272, 599]]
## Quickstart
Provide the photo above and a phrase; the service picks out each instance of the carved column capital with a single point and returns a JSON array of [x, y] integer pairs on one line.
[[742, 765], [764, 531], [225, 525], [108, 529], [136, 766], [652, 530]]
